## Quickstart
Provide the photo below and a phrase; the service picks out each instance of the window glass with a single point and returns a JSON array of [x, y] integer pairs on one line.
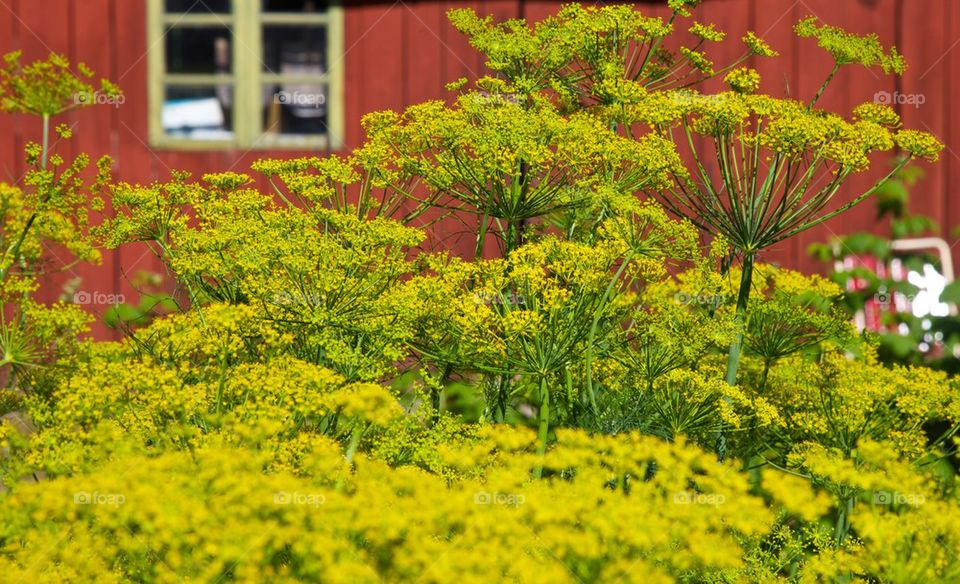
[[198, 113], [197, 6], [294, 109], [295, 50], [198, 49], [294, 5]]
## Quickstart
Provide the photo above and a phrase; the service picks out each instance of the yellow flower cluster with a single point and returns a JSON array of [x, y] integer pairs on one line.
[[743, 80], [758, 46], [848, 48], [378, 522], [707, 32]]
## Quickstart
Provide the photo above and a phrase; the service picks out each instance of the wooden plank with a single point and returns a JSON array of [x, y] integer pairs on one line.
[[951, 115], [9, 41], [353, 72], [94, 131], [374, 50], [459, 59], [45, 29], [423, 77], [924, 88], [136, 162]]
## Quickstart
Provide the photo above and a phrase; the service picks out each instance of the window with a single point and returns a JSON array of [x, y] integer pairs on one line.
[[245, 73]]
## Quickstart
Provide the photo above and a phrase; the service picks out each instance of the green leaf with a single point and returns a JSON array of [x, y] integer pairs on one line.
[[951, 293]]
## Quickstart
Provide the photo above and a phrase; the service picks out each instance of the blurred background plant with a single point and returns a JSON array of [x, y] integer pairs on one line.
[[895, 284]]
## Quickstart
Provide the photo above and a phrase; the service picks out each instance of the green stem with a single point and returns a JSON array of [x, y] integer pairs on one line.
[[823, 87], [568, 381], [733, 358], [746, 280], [354, 442], [481, 236], [843, 519], [514, 235], [355, 435], [544, 424], [503, 391], [593, 330], [766, 372], [15, 249]]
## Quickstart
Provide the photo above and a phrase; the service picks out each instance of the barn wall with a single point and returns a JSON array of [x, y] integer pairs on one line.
[[399, 53]]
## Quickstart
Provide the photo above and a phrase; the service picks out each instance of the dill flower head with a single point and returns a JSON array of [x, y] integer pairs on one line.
[[848, 48], [707, 32], [758, 46], [743, 80]]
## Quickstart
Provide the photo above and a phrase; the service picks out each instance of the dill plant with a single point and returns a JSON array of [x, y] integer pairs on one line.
[[603, 324], [610, 64], [49, 205]]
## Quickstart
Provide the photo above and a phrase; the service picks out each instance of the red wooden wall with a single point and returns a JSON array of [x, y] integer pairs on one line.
[[399, 53]]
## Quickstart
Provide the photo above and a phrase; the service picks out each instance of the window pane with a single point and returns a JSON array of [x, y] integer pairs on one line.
[[198, 113], [294, 109], [298, 50], [294, 5], [198, 49], [198, 6]]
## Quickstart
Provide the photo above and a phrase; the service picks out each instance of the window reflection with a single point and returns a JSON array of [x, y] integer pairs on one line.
[[197, 113]]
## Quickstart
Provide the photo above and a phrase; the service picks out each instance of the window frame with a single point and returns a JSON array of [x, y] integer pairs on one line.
[[246, 23]]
